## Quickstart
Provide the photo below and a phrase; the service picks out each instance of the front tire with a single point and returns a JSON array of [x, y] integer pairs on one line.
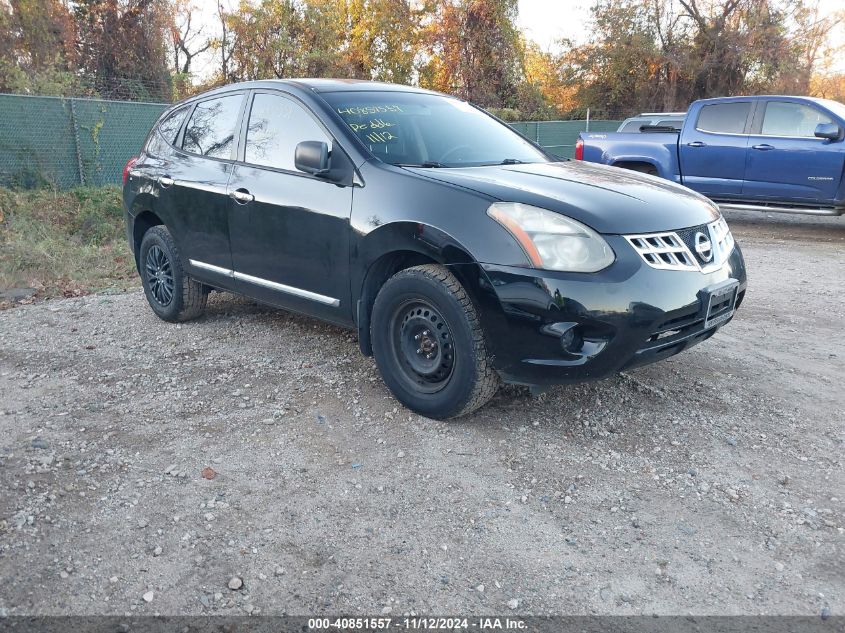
[[428, 344], [172, 294]]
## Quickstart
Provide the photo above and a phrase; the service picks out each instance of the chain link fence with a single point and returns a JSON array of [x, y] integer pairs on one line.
[[65, 142], [559, 137]]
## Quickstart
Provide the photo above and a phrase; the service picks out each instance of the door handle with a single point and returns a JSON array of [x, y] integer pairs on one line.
[[165, 181], [763, 147], [242, 196], [697, 144]]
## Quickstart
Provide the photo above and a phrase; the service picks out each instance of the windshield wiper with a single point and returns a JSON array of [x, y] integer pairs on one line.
[[429, 164], [506, 161]]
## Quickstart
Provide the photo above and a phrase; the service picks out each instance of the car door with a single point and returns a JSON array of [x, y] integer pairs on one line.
[[712, 148], [785, 159], [289, 230], [196, 182], [156, 161]]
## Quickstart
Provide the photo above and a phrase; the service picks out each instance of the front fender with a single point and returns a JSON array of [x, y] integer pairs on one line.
[[387, 212], [402, 244], [404, 237]]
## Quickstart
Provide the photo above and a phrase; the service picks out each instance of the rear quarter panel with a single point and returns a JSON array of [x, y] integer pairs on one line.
[[613, 148]]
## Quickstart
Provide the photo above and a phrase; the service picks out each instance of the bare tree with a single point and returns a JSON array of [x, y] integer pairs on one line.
[[224, 44], [187, 40]]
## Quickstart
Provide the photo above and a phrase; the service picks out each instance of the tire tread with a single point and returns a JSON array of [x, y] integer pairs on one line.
[[193, 293], [487, 382]]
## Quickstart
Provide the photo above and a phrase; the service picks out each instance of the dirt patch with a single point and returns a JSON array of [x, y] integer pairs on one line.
[[710, 483]]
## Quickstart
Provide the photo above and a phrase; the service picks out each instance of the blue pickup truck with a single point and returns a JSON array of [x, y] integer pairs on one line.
[[774, 153]]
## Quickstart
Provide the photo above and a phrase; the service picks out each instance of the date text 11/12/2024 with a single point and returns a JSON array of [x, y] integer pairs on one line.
[[418, 624]]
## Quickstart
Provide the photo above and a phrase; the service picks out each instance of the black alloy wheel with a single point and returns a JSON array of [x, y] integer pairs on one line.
[[171, 292], [159, 272]]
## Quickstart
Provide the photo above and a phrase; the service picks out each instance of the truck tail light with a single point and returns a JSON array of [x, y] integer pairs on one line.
[[127, 167], [579, 149]]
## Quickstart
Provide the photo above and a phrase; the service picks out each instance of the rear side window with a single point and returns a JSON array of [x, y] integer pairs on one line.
[[791, 119], [169, 128], [675, 123], [276, 126], [724, 118], [633, 126], [211, 129]]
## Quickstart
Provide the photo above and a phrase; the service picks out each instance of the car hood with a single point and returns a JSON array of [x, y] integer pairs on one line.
[[608, 199]]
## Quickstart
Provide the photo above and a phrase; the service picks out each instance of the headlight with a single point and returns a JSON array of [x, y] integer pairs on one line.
[[553, 241]]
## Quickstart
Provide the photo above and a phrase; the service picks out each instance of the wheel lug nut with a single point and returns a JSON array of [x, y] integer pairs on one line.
[[419, 350]]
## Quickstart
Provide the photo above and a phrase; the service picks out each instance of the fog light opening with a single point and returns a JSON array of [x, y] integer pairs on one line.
[[571, 341]]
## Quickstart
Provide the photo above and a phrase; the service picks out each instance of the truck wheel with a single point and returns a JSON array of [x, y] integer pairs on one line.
[[171, 293], [428, 344]]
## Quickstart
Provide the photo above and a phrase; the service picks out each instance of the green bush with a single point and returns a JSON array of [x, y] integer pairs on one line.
[[64, 242]]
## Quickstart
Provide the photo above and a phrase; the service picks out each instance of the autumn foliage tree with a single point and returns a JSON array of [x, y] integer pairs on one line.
[[122, 48], [638, 54], [663, 54], [111, 48], [364, 39], [37, 47], [473, 50]]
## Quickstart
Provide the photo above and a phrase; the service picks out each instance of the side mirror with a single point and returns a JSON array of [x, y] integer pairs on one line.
[[830, 131], [312, 157]]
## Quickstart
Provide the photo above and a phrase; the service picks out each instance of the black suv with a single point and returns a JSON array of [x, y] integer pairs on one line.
[[462, 253]]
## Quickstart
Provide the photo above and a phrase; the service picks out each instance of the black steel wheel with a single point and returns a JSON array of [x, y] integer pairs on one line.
[[422, 342], [159, 272], [429, 345], [171, 292]]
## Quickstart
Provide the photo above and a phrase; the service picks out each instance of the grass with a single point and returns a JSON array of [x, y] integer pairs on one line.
[[64, 243]]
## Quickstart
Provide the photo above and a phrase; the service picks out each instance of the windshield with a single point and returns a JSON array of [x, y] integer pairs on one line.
[[423, 130]]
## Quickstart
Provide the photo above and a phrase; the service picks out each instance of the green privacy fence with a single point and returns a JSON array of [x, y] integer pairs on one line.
[[66, 142], [559, 137]]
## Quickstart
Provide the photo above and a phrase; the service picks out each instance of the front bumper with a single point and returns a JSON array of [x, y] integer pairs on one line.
[[545, 328]]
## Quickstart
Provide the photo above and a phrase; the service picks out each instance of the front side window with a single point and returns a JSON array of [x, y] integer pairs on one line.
[[791, 119], [276, 126], [724, 118], [211, 130], [412, 129]]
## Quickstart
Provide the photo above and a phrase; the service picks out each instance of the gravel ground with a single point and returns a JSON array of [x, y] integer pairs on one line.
[[253, 462]]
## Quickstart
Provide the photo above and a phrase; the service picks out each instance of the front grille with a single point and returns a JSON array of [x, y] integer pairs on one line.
[[722, 237], [680, 330], [663, 250], [686, 249], [688, 238]]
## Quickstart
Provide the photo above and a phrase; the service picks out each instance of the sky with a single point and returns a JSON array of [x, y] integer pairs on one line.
[[546, 21]]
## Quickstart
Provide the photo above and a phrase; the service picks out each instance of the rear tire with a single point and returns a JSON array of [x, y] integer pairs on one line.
[[428, 344], [172, 294]]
